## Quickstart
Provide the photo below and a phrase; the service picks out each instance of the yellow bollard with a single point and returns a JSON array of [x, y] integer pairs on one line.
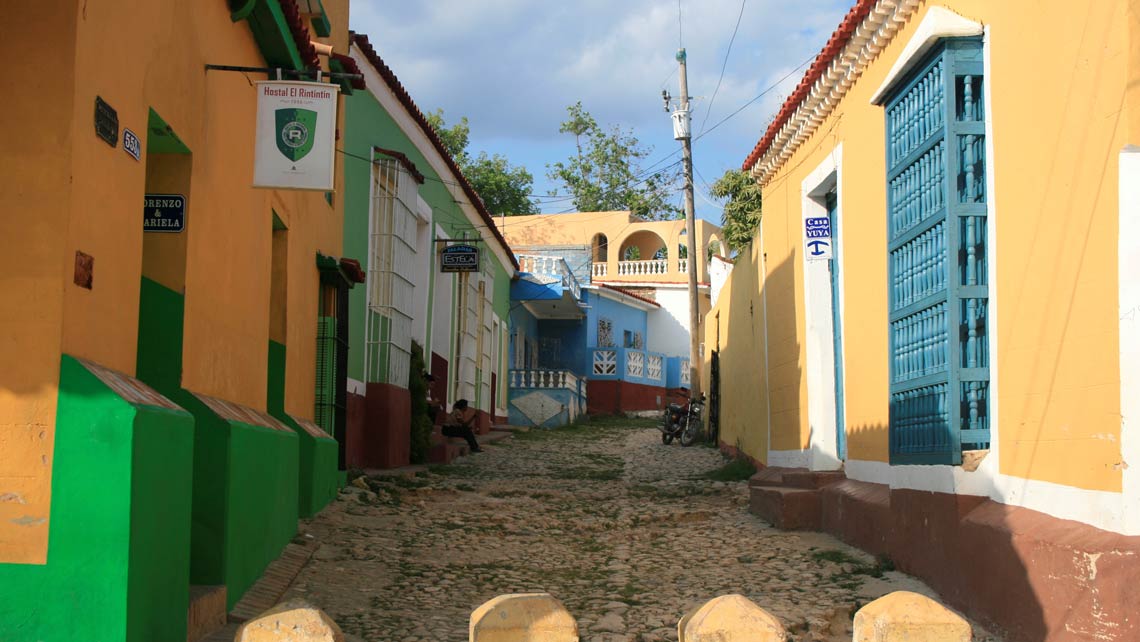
[[523, 617], [730, 618], [910, 617]]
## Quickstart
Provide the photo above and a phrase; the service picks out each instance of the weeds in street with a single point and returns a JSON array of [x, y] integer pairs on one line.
[[739, 469]]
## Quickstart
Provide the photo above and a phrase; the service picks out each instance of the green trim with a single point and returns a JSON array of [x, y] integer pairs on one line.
[[318, 477], [244, 506], [243, 11], [337, 66], [274, 39], [160, 137], [321, 25], [118, 549]]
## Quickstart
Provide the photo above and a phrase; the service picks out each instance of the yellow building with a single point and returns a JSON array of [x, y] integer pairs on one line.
[[942, 297], [648, 257], [159, 391]]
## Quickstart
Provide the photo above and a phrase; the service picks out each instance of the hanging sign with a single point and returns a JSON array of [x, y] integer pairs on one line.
[[459, 258], [164, 213], [817, 238], [296, 131]]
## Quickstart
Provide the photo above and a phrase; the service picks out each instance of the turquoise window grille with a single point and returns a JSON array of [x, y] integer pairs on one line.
[[939, 292]]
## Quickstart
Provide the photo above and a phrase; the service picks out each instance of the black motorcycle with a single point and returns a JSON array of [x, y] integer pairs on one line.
[[682, 422]]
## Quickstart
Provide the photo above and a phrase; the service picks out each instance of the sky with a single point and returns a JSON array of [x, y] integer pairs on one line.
[[513, 66]]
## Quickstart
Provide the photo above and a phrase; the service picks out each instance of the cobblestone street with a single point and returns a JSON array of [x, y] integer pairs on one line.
[[628, 533]]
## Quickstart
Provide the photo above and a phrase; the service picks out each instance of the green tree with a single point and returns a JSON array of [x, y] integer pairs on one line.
[[606, 175], [504, 189], [742, 211]]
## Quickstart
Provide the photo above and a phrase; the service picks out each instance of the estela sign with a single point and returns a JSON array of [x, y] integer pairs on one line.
[[296, 131], [459, 258], [164, 213]]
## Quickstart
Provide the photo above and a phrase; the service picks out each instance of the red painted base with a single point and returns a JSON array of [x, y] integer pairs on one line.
[[615, 397], [379, 428]]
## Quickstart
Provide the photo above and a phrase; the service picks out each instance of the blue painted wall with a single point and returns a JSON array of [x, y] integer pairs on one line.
[[572, 340], [520, 317], [623, 316]]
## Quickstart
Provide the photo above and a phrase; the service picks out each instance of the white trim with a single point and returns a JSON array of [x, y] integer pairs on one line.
[[411, 128], [869, 38], [938, 23], [422, 209], [624, 298], [1129, 258], [1100, 509], [789, 458], [356, 387], [819, 331]]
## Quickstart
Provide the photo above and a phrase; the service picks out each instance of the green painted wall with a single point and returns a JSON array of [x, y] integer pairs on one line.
[[117, 563], [369, 125], [318, 477], [245, 487]]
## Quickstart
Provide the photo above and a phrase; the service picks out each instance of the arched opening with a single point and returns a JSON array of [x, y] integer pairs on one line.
[[640, 248], [601, 246]]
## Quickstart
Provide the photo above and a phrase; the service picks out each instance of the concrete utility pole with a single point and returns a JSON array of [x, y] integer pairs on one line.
[[682, 129]]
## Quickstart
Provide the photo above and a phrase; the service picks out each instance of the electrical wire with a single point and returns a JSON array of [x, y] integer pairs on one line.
[[724, 64]]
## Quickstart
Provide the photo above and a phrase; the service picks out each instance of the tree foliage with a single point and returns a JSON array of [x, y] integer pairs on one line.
[[606, 175], [504, 189], [741, 215]]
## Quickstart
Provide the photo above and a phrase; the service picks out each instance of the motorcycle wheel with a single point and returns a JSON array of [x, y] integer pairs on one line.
[[688, 435], [666, 438]]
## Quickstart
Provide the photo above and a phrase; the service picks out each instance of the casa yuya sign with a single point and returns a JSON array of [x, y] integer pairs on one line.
[[459, 258], [164, 213], [296, 131]]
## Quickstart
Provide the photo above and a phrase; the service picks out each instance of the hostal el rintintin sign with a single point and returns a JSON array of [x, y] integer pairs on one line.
[[296, 131]]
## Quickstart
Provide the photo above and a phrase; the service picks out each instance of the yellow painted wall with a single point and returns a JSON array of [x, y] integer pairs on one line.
[[228, 244], [620, 229], [65, 190], [735, 328], [34, 209], [1058, 77]]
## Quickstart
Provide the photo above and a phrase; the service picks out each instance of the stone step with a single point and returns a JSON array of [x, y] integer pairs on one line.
[[772, 476], [790, 509], [207, 611], [812, 479]]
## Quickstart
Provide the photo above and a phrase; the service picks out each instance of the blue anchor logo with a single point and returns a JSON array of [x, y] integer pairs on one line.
[[818, 247]]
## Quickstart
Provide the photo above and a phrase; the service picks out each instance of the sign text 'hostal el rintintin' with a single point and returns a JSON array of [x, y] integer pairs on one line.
[[459, 258], [296, 132]]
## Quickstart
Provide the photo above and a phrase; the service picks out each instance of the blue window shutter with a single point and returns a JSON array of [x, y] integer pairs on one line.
[[939, 292]]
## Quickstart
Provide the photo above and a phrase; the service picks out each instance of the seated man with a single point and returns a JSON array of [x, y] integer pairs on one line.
[[460, 423]]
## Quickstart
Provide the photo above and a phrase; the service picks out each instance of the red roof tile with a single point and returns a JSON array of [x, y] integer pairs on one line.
[[405, 99], [628, 293], [350, 67], [835, 44], [300, 33]]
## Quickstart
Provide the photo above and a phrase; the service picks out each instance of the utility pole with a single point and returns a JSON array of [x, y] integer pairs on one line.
[[682, 130]]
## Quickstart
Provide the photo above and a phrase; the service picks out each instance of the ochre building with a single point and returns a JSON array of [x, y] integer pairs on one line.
[[160, 410], [941, 305]]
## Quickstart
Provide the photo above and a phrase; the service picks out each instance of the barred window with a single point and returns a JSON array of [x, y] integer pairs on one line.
[[939, 292]]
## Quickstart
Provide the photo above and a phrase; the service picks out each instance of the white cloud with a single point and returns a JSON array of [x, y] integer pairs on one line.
[[512, 66]]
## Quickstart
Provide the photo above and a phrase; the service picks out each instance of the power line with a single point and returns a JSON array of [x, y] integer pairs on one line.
[[724, 65], [758, 97]]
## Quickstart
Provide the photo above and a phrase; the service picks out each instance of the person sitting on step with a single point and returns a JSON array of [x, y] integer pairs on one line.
[[460, 423]]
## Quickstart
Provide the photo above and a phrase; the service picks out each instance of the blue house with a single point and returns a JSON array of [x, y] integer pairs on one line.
[[579, 347]]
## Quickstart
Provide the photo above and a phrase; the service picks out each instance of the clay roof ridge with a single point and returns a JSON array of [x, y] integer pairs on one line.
[[835, 44], [361, 41], [628, 293]]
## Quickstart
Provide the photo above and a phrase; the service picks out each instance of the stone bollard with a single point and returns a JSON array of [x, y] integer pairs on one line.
[[292, 621], [523, 617], [910, 617], [730, 618]]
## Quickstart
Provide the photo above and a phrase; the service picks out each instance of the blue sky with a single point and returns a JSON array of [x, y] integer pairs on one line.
[[513, 66]]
